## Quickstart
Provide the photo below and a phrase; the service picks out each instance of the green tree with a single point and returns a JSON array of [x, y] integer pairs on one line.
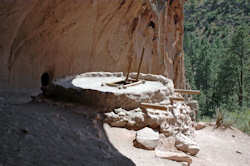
[[233, 71]]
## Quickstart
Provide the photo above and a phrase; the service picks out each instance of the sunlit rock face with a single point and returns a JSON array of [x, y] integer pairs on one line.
[[65, 37]]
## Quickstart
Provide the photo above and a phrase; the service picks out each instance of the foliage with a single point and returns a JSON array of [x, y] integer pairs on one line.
[[217, 49], [236, 118], [239, 118]]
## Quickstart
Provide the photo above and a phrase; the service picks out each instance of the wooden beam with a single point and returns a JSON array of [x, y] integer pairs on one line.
[[172, 99], [115, 84], [129, 67], [189, 92], [139, 68], [112, 84], [154, 106], [132, 84]]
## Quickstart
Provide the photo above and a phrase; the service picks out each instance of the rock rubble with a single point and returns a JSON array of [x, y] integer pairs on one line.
[[186, 144], [146, 138], [170, 122], [175, 125]]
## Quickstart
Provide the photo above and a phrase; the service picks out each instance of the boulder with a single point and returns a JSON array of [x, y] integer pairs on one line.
[[146, 138], [186, 144]]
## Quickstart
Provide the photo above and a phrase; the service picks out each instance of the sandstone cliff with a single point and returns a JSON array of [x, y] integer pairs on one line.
[[66, 37]]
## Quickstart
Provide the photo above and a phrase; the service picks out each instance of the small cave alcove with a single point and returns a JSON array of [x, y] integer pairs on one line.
[[45, 79], [151, 24]]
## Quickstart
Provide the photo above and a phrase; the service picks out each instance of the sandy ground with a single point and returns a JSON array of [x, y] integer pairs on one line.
[[218, 148], [122, 139]]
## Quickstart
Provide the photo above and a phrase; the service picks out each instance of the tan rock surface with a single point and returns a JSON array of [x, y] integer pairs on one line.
[[166, 121], [146, 138], [186, 144], [66, 37]]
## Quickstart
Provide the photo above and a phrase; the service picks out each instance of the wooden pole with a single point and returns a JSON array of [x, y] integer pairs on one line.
[[154, 106], [189, 92], [132, 84], [128, 72], [139, 69], [172, 99], [130, 59]]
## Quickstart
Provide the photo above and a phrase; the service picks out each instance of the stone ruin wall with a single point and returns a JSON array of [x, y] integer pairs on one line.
[[67, 37]]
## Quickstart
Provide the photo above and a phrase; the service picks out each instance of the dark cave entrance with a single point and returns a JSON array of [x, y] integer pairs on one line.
[[45, 79], [151, 24]]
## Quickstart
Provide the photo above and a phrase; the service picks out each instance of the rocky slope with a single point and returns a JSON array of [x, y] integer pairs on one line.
[[65, 37]]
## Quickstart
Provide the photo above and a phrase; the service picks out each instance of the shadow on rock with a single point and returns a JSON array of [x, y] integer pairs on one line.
[[43, 135]]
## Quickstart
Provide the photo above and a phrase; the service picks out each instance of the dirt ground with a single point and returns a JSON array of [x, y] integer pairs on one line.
[[222, 147], [218, 147], [122, 139]]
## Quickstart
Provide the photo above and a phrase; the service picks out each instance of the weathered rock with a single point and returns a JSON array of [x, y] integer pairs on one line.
[[134, 119], [194, 105], [166, 143], [157, 117], [179, 121], [68, 37], [166, 149], [169, 122], [186, 145], [200, 125], [167, 129], [175, 156], [146, 138]]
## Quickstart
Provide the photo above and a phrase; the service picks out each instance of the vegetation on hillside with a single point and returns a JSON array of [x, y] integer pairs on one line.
[[217, 61]]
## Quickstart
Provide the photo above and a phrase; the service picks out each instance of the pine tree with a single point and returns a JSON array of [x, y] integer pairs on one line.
[[233, 71]]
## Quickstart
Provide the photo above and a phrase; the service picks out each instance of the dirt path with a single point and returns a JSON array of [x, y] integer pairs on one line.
[[221, 147], [122, 139], [217, 148]]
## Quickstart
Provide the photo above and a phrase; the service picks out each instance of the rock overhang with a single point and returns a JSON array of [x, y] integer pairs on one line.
[[70, 37]]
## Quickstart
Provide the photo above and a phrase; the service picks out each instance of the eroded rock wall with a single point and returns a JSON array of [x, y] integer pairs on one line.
[[66, 37]]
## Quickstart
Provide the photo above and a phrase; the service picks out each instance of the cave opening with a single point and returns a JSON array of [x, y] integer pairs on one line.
[[151, 24], [45, 79]]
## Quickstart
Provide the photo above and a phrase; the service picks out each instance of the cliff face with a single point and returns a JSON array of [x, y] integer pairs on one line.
[[67, 37]]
